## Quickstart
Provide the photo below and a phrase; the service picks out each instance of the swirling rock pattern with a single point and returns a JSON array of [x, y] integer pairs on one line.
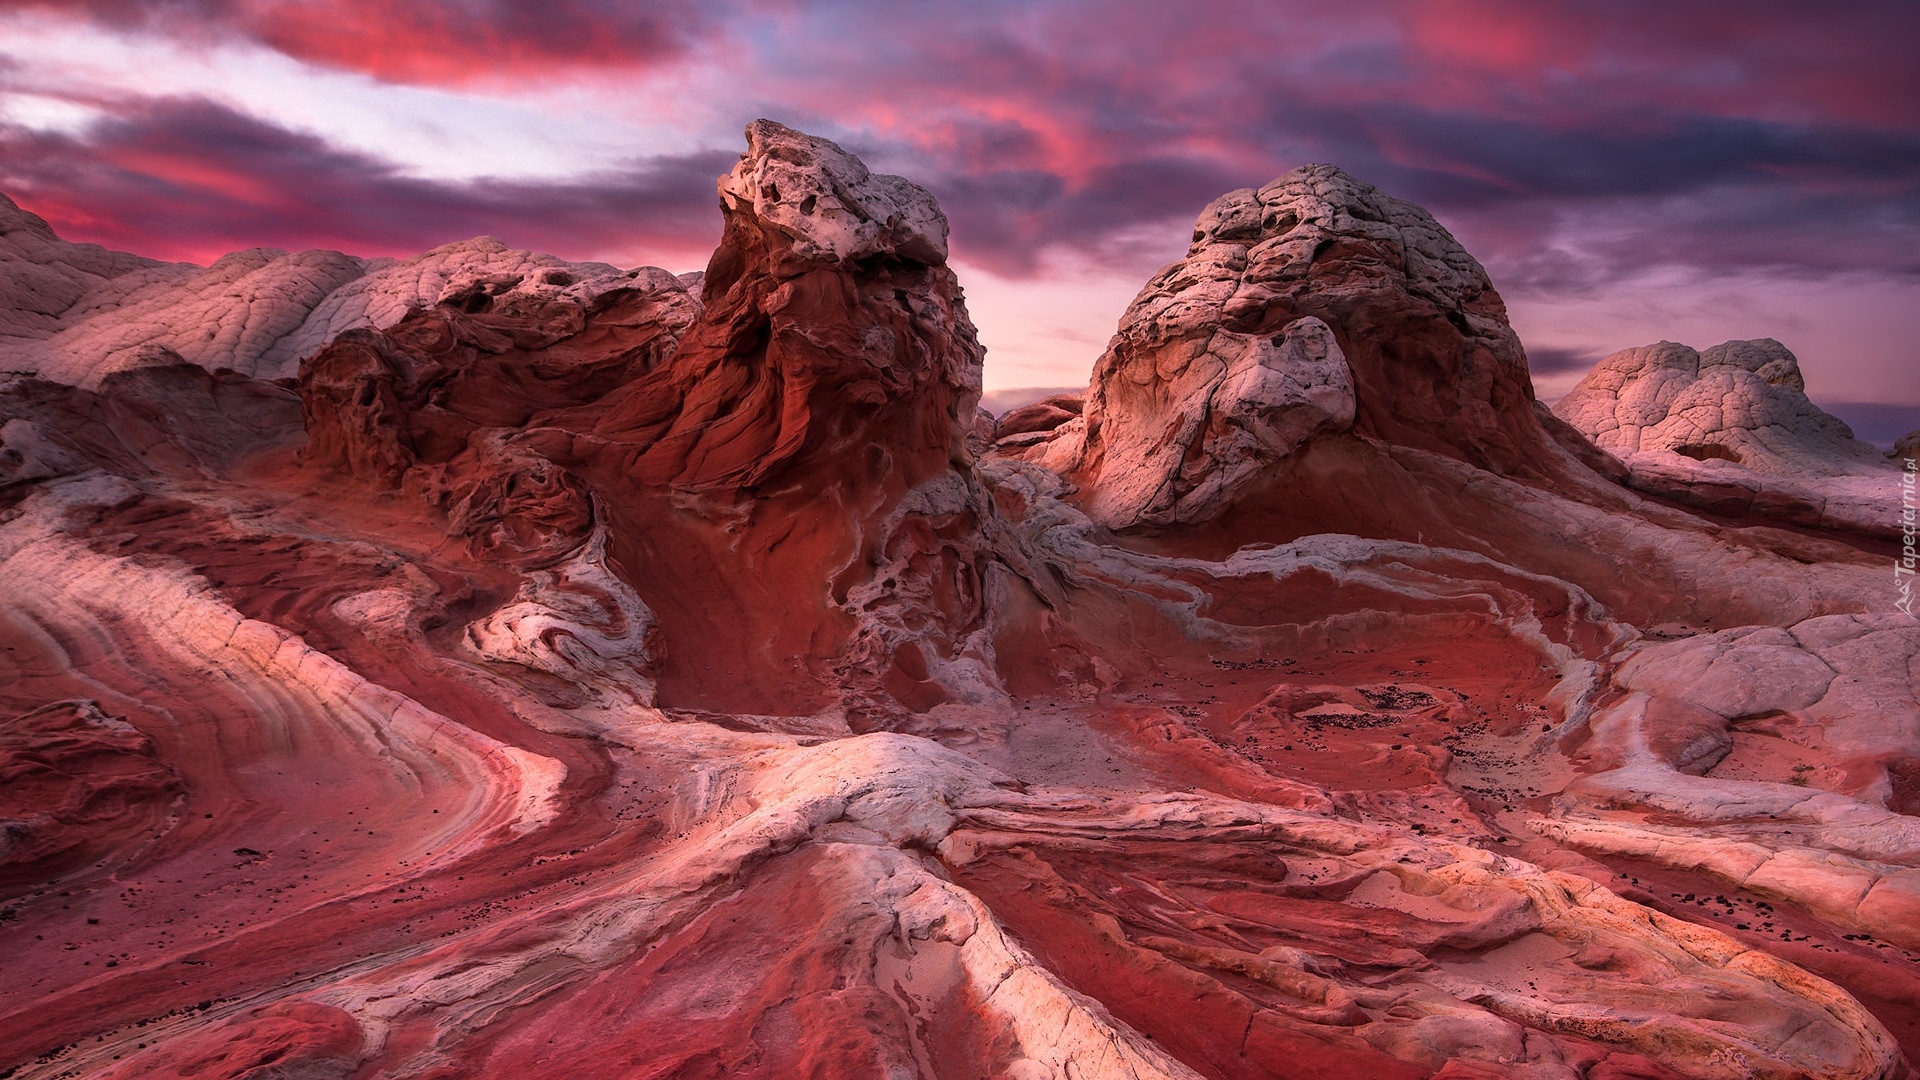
[[659, 677]]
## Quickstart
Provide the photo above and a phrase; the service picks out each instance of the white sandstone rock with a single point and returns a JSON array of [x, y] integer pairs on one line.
[[1223, 409], [75, 313], [827, 202], [1731, 428]]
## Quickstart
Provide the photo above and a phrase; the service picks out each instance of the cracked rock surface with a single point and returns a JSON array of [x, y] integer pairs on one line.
[[1730, 430]]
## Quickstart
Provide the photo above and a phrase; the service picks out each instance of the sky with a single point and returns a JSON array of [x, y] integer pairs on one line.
[[1689, 170]]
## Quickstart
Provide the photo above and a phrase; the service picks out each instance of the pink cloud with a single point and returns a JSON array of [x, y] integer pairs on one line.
[[191, 180], [431, 42]]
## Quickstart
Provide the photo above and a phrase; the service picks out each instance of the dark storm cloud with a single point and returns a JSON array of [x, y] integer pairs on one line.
[[189, 178], [1551, 361], [1568, 145], [1699, 191], [1004, 220], [1463, 159]]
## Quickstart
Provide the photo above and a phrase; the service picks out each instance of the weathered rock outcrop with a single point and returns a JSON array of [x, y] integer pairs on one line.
[[377, 403], [1420, 352], [1731, 430], [43, 278], [827, 362], [76, 313], [1239, 404], [160, 419], [1039, 416], [1740, 401], [79, 783], [1446, 445], [832, 325], [696, 658]]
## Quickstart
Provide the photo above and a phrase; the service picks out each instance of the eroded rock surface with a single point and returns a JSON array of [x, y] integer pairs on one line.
[[77, 313], [1730, 429], [1418, 337], [656, 676]]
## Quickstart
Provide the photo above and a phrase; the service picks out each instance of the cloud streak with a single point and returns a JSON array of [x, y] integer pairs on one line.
[[191, 179], [433, 42]]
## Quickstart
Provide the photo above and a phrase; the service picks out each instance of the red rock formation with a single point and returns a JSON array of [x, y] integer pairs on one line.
[[1043, 415], [1215, 419], [662, 678], [831, 324], [1419, 340], [78, 783]]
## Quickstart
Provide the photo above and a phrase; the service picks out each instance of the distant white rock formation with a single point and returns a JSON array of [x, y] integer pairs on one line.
[[1731, 429], [75, 313]]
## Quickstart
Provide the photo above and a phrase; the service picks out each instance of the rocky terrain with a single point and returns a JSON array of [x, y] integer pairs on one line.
[[481, 665], [76, 313]]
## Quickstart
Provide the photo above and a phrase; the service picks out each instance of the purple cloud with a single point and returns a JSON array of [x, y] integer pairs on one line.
[[191, 179]]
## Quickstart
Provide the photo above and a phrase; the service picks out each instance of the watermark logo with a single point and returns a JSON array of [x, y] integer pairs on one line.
[[1907, 561]]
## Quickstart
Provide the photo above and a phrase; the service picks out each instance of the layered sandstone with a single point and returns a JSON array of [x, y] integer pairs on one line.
[[648, 676]]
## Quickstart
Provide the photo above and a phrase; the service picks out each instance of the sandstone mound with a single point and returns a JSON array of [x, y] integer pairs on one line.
[[1730, 429], [1311, 305], [1740, 401], [44, 277], [641, 676], [805, 416], [76, 313]]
